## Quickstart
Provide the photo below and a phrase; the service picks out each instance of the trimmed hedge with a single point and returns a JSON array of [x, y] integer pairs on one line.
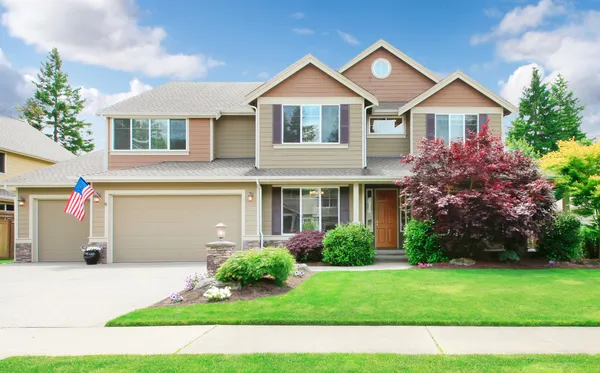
[[422, 244], [349, 245], [561, 238], [252, 265]]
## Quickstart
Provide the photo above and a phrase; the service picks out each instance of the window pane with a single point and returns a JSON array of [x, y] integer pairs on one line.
[[393, 126], [311, 121], [141, 134], [457, 129], [2, 206], [177, 134], [310, 209], [329, 208], [122, 134], [291, 210], [441, 127], [10, 207], [159, 133], [471, 123], [330, 129], [291, 124]]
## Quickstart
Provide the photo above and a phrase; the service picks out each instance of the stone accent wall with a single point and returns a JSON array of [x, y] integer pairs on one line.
[[254, 244], [217, 253], [103, 253], [23, 253]]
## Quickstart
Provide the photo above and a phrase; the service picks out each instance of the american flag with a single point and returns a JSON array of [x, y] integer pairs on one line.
[[76, 203]]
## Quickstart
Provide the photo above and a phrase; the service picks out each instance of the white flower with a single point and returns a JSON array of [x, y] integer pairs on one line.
[[215, 293]]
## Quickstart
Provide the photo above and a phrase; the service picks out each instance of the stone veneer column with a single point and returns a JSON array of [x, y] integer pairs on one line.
[[217, 253], [23, 252]]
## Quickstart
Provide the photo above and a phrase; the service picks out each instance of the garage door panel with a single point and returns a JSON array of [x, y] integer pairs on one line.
[[60, 235], [171, 228]]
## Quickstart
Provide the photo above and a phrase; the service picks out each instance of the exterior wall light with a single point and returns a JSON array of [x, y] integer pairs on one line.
[[97, 198], [250, 197], [221, 229], [21, 201]]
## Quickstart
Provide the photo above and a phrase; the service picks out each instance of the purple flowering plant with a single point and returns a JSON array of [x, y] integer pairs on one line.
[[424, 265], [192, 280], [176, 297]]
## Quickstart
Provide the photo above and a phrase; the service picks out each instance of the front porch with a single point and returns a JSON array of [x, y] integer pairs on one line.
[[385, 216]]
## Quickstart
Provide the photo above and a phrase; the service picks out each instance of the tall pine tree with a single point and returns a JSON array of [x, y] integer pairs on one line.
[[567, 111], [59, 104], [32, 112]]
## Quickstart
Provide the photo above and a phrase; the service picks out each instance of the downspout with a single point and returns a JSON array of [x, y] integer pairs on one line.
[[259, 207], [364, 145], [256, 138]]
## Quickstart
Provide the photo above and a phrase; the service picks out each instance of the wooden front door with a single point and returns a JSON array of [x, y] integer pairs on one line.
[[386, 219]]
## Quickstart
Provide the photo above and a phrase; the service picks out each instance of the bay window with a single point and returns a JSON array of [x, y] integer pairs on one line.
[[455, 127], [149, 134], [309, 209], [311, 124]]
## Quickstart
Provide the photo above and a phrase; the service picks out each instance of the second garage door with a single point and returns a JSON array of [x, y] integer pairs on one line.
[[60, 235], [171, 228]]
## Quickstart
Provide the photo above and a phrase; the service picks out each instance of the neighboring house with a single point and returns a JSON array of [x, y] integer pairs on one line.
[[22, 149], [308, 149]]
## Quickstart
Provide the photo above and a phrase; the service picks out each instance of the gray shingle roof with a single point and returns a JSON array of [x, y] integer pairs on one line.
[[18, 136], [6, 194], [62, 173], [244, 169], [187, 98]]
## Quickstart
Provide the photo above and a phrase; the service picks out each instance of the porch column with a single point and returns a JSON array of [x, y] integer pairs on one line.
[[355, 204]]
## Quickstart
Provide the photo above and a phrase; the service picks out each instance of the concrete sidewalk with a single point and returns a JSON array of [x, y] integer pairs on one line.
[[290, 339]]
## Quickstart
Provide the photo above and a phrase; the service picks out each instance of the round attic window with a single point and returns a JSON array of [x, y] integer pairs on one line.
[[381, 68]]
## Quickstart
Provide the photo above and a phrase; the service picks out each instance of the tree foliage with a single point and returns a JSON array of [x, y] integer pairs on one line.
[[547, 115], [55, 106], [476, 191]]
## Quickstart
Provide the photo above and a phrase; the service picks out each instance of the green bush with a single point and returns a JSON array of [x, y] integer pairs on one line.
[[509, 256], [422, 244], [349, 245], [561, 238], [590, 244], [252, 265]]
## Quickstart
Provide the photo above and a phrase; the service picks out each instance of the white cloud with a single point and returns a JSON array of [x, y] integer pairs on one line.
[[298, 15], [521, 19], [102, 33], [348, 38], [512, 89], [15, 86], [95, 100], [263, 75], [303, 31]]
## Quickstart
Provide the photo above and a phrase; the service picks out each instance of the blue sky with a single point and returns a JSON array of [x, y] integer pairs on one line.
[[117, 48]]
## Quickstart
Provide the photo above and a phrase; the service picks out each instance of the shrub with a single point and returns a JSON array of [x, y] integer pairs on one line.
[[509, 256], [349, 245], [251, 265], [560, 238], [306, 245], [590, 244], [422, 244]]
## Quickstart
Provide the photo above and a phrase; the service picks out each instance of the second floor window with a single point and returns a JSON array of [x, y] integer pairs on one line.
[[311, 124], [2, 163], [454, 127], [149, 134]]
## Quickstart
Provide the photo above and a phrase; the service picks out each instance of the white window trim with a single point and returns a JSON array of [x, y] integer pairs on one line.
[[464, 130], [148, 151], [386, 135], [319, 144], [300, 205], [5, 160], [373, 68]]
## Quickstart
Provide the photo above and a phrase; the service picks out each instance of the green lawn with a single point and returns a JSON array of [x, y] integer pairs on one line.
[[410, 297], [305, 362], [5, 261]]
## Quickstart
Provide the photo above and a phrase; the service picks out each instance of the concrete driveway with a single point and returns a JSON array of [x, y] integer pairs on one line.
[[78, 295]]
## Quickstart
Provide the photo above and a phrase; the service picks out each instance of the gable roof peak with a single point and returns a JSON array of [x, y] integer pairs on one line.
[[396, 52]]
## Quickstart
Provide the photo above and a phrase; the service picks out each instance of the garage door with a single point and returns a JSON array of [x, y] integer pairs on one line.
[[171, 228], [60, 235]]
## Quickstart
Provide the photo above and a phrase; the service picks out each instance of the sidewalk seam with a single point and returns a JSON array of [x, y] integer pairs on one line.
[[195, 339], [434, 341]]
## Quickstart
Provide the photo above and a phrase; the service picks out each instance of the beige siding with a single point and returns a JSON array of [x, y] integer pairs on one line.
[[250, 207], [310, 81], [17, 164], [312, 156], [458, 93], [389, 147], [234, 137], [199, 148], [403, 84], [59, 236], [23, 211], [172, 228]]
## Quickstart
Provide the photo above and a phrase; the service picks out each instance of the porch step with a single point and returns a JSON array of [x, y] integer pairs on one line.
[[395, 255], [391, 252]]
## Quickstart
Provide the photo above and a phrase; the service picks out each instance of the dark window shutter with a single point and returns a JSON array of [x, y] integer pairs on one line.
[[277, 124], [483, 118], [276, 210], [2, 162], [344, 124], [344, 204], [430, 127]]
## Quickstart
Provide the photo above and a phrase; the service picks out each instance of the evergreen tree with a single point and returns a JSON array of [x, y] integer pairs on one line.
[[567, 111], [31, 112], [60, 105], [535, 123]]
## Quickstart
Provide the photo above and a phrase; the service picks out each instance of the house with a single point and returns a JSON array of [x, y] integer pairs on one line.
[[308, 149], [22, 149]]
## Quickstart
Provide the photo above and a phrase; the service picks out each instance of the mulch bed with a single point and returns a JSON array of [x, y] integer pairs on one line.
[[522, 264], [264, 288]]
